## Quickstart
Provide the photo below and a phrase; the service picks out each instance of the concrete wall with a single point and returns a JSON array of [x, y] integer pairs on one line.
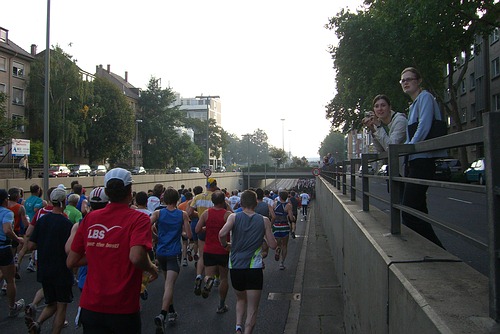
[[398, 284], [141, 182]]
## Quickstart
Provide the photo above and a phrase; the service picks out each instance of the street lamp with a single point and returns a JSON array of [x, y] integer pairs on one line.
[[248, 159], [207, 99], [283, 134], [135, 150], [289, 147]]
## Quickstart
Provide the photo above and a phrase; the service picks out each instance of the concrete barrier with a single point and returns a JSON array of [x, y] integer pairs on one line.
[[398, 284], [141, 182]]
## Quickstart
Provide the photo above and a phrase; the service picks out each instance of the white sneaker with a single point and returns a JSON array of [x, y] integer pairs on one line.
[[172, 317], [18, 307], [31, 267], [160, 324]]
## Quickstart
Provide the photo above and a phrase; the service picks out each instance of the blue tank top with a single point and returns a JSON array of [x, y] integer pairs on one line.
[[79, 204], [280, 213], [169, 232]]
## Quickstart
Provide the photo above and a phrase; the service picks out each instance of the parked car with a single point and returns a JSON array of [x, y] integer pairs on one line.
[[174, 170], [80, 170], [371, 170], [442, 172], [384, 170], [138, 170], [99, 170], [59, 171], [475, 173], [220, 169], [194, 170]]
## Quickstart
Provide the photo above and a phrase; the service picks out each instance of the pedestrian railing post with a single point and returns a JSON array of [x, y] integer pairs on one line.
[[344, 178], [365, 158], [492, 170], [395, 186], [354, 163]]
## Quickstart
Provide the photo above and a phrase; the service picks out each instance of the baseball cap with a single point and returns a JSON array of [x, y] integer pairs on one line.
[[211, 182], [3, 195], [118, 174], [97, 195], [58, 195]]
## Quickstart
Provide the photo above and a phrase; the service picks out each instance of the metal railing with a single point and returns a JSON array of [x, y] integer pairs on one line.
[[489, 136]]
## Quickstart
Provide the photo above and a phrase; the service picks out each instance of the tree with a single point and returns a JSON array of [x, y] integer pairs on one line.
[[158, 127], [377, 42], [279, 155], [8, 127], [111, 127], [333, 143], [67, 95], [185, 153]]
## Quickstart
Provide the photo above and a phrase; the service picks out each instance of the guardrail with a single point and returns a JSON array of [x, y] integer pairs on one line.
[[489, 136]]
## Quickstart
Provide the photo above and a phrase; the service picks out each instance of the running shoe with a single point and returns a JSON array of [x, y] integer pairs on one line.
[[222, 309], [216, 282], [282, 266], [293, 235], [208, 287], [190, 255], [277, 253], [18, 307], [197, 285], [239, 330], [33, 326], [172, 317], [160, 324], [31, 267], [184, 263]]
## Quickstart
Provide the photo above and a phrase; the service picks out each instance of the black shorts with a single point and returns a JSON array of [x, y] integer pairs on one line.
[[247, 279], [6, 257], [169, 263], [57, 293], [103, 323], [15, 243], [210, 259]]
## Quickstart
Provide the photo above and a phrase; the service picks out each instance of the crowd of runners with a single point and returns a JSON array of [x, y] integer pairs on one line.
[[113, 242]]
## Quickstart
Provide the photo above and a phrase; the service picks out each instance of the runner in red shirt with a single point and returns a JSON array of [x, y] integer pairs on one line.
[[114, 243]]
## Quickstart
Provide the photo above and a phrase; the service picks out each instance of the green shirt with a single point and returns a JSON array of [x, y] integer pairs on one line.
[[74, 215]]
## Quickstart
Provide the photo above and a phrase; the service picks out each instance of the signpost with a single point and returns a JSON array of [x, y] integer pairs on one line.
[[316, 171]]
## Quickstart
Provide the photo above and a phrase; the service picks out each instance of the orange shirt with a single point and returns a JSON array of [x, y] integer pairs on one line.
[[183, 206]]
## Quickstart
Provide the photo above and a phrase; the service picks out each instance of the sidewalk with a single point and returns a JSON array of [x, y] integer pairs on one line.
[[320, 309]]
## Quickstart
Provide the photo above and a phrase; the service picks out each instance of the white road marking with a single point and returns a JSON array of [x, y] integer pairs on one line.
[[459, 200]]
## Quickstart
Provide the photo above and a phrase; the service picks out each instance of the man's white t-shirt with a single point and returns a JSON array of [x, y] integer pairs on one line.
[[305, 198]]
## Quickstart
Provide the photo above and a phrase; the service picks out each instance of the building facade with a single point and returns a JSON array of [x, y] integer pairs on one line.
[[14, 72], [479, 90], [203, 108]]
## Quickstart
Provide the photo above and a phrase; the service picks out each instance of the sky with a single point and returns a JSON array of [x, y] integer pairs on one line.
[[267, 60]]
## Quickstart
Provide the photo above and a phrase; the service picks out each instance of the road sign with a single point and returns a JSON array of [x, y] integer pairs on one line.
[[316, 171], [20, 147], [207, 172]]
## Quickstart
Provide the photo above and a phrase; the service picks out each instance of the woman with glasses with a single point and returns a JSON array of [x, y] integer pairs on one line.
[[423, 110]]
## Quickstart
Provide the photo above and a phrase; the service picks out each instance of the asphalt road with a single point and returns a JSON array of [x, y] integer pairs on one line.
[[196, 315], [466, 210]]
